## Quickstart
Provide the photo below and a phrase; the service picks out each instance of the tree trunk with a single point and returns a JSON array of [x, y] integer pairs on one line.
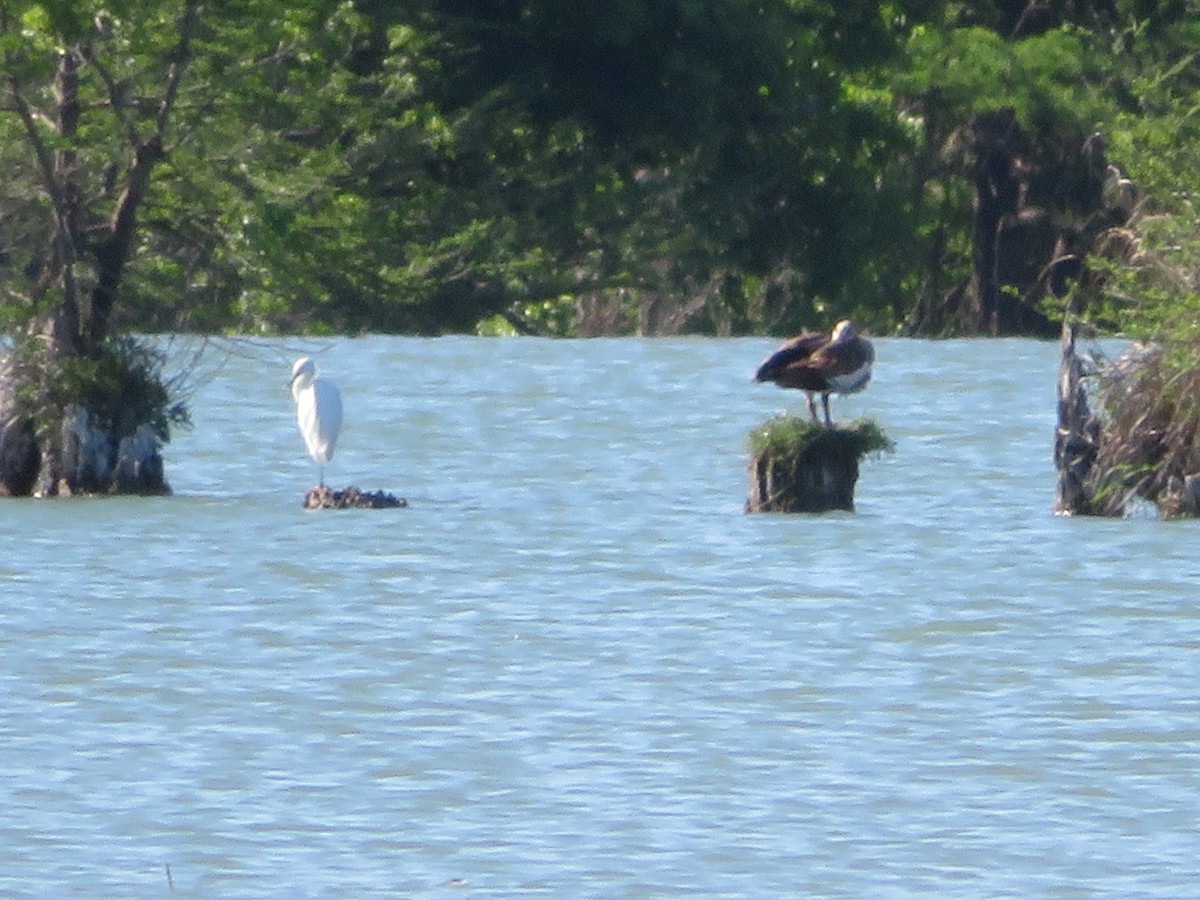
[[114, 251], [85, 461], [820, 478], [64, 331], [51, 452], [76, 412], [996, 196], [1077, 435], [19, 458]]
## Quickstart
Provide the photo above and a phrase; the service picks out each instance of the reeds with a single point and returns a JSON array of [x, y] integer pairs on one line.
[[1148, 447]]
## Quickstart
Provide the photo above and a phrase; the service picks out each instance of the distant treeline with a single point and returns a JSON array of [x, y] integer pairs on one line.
[[651, 166]]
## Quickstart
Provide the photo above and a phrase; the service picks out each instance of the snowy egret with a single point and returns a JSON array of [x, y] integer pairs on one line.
[[318, 412], [816, 364]]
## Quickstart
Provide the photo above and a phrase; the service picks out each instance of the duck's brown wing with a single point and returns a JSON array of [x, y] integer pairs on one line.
[[790, 361], [842, 358]]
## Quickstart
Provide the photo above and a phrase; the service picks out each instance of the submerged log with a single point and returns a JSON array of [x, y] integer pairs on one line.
[[799, 466], [325, 497]]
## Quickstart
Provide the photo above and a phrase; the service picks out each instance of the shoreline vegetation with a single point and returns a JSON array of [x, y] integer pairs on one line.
[[654, 167], [936, 169]]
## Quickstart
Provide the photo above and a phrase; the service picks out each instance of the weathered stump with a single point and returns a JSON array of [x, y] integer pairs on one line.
[[85, 461], [92, 461], [19, 457], [1140, 446], [819, 479], [54, 449], [1076, 439], [799, 466], [325, 497]]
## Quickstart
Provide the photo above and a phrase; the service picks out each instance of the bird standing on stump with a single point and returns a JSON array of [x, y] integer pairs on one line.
[[817, 364], [318, 412]]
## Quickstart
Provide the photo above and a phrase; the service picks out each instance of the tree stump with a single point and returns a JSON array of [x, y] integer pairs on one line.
[[1077, 436], [85, 461], [19, 457], [90, 464], [800, 466], [325, 497], [107, 442], [1137, 449]]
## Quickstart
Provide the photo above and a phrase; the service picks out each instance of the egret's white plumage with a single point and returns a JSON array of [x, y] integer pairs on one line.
[[318, 412]]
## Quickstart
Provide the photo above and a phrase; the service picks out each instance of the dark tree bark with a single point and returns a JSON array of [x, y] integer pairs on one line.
[[113, 252], [1077, 434], [996, 195], [1039, 211]]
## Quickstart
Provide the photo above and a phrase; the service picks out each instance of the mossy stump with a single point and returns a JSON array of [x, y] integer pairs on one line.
[[799, 466], [325, 497], [84, 426]]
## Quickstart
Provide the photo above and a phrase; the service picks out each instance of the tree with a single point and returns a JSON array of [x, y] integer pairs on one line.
[[673, 165], [99, 99], [1024, 107], [79, 325]]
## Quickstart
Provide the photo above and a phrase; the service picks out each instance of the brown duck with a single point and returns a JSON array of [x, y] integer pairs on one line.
[[838, 363]]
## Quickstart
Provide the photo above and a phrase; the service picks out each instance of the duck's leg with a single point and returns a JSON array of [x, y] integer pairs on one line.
[[825, 403], [812, 407]]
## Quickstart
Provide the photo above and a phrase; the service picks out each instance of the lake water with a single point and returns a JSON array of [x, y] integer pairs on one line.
[[573, 666]]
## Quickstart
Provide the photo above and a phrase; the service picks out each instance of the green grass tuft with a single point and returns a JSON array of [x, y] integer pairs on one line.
[[789, 435]]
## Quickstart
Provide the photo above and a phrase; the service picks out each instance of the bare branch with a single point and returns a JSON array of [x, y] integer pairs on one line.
[[180, 57], [53, 188], [116, 98], [40, 150]]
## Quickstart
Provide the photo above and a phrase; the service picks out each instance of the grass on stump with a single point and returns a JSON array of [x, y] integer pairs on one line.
[[787, 436]]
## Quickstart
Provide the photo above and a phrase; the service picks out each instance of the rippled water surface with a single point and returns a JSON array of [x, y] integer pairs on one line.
[[573, 667]]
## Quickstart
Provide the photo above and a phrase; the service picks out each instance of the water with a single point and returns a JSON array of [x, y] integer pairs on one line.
[[573, 667]]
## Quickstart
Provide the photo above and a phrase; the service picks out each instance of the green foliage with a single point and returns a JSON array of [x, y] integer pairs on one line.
[[656, 165], [1043, 79], [788, 436], [520, 153], [1155, 292], [1151, 277], [1064, 72], [122, 388]]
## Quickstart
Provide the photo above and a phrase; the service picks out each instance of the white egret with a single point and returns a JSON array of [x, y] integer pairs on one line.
[[318, 412]]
